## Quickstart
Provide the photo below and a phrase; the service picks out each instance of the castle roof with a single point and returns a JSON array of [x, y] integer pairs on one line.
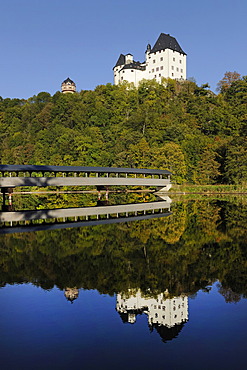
[[120, 61], [167, 333], [68, 80], [134, 65], [165, 41]]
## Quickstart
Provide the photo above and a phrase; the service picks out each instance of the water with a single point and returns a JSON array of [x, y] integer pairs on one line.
[[165, 293]]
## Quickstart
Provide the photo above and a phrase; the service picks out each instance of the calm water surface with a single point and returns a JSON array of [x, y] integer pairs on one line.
[[165, 293]]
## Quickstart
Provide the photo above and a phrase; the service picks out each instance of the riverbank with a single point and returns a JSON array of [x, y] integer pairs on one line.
[[208, 189]]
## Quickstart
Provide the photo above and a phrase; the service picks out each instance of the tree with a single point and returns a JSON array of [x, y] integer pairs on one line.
[[227, 80], [236, 161], [208, 167], [171, 157]]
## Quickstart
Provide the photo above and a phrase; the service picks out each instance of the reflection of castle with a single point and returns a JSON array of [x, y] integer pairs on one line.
[[71, 294], [166, 315]]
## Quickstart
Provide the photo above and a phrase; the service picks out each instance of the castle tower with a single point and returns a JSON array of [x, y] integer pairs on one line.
[[68, 86]]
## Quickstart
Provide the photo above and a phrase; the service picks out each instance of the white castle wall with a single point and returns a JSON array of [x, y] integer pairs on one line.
[[166, 63], [131, 75], [160, 310]]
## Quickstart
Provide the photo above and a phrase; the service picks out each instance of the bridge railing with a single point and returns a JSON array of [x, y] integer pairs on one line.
[[30, 170], [44, 176], [42, 219]]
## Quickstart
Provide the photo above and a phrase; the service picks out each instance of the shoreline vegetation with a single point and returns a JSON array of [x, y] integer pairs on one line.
[[208, 189], [185, 189]]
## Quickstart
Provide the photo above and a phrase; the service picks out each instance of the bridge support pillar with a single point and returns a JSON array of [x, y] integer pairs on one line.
[[7, 193], [102, 187]]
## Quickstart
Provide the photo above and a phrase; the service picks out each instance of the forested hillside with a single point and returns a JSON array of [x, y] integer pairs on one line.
[[198, 135]]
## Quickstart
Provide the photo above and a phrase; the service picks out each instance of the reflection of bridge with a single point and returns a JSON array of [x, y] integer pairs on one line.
[[31, 175], [35, 220]]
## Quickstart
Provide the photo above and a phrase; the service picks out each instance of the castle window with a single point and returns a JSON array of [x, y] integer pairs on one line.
[[154, 306], [159, 75], [161, 59], [173, 59], [177, 69], [154, 76], [157, 68], [181, 70], [175, 316], [172, 68], [152, 70], [154, 61], [180, 61], [121, 78], [123, 71], [163, 317], [172, 74], [132, 70], [161, 67], [156, 315]]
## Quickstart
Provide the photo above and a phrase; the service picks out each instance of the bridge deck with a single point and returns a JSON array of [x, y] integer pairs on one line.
[[8, 182]]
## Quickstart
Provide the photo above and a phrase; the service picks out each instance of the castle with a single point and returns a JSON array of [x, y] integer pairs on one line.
[[166, 59]]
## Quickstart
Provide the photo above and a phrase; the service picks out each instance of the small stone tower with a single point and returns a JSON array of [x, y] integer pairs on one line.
[[68, 86], [71, 294]]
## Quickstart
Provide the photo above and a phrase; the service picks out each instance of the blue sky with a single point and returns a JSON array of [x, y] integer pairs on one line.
[[45, 41]]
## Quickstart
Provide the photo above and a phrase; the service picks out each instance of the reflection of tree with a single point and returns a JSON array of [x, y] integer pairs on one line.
[[142, 254], [229, 295]]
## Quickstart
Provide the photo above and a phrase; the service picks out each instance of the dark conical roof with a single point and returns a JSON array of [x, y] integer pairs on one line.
[[167, 42], [167, 333], [120, 61], [68, 80]]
